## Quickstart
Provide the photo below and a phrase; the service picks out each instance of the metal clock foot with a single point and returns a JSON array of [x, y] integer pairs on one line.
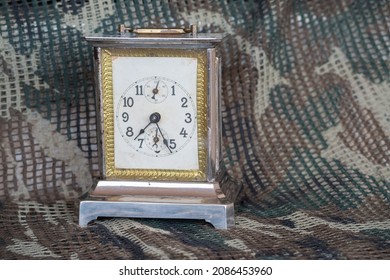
[[153, 200], [220, 216]]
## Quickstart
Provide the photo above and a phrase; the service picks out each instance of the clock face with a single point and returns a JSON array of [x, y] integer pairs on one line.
[[156, 117], [155, 113]]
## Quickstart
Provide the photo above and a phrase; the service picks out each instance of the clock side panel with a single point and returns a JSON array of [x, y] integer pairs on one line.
[[99, 109], [214, 115], [107, 103]]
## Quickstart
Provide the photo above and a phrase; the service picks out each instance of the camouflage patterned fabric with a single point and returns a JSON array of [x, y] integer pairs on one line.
[[306, 118]]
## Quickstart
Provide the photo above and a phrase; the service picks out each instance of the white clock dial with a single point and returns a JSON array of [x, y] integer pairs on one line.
[[161, 128], [155, 117]]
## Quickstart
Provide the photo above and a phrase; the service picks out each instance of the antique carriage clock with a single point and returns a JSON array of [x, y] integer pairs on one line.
[[159, 116]]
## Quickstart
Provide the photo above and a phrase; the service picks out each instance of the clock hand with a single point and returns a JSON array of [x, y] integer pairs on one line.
[[155, 90], [165, 141], [153, 118], [156, 139], [142, 131]]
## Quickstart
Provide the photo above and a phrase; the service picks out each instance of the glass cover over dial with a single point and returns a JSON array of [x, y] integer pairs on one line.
[[156, 116], [155, 113]]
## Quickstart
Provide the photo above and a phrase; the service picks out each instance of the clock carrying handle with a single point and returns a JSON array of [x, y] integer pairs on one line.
[[153, 31]]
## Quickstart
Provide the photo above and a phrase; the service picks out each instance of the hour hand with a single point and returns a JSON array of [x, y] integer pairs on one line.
[[142, 131]]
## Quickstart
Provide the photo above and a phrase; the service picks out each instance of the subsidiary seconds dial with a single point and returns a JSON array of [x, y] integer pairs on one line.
[[156, 116]]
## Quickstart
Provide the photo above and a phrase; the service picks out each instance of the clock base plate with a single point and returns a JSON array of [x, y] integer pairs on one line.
[[165, 200]]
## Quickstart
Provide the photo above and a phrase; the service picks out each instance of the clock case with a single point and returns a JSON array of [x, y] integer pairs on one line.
[[211, 198]]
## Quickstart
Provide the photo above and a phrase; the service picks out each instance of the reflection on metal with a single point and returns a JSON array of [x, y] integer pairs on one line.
[[167, 200]]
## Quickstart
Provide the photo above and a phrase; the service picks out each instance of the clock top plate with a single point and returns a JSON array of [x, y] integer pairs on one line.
[[201, 40]]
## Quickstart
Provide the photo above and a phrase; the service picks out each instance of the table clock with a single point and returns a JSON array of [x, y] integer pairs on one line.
[[159, 128]]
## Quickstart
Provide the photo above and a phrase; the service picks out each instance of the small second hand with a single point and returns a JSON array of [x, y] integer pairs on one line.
[[165, 141], [155, 139]]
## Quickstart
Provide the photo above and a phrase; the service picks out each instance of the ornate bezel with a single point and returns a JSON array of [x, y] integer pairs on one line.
[[107, 115]]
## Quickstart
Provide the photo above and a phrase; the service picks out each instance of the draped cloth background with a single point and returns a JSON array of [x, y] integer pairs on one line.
[[306, 119]]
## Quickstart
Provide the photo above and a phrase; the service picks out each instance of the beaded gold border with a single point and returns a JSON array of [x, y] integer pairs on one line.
[[108, 116]]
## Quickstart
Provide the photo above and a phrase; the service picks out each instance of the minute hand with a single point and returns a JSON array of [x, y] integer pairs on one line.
[[165, 141]]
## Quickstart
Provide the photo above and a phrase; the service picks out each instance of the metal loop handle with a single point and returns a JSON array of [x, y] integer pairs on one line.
[[153, 31]]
